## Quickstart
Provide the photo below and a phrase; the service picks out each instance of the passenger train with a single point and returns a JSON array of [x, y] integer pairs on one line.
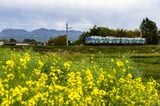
[[115, 40]]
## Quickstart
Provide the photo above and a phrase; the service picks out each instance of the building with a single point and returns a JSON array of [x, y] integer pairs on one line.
[[22, 44], [1, 43]]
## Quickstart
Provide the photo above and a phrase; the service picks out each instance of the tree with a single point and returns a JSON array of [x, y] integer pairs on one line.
[[82, 38], [149, 31], [4, 40], [12, 40], [120, 33], [30, 41], [133, 33], [101, 31], [58, 41]]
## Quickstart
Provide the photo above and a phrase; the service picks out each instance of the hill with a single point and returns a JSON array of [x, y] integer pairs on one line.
[[41, 34]]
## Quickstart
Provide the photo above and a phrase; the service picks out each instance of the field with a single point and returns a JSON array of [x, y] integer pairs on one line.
[[68, 76], [146, 57]]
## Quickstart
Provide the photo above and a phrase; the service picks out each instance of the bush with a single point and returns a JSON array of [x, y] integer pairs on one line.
[[58, 41]]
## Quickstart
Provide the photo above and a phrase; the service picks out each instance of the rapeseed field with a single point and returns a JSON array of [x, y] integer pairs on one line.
[[28, 78]]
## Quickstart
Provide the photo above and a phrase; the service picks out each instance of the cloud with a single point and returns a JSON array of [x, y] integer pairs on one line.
[[69, 3], [82, 14]]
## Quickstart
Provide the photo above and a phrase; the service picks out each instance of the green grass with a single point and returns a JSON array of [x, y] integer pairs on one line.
[[96, 49], [150, 66], [102, 49]]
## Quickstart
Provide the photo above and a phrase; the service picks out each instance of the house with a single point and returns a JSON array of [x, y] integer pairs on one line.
[[10, 43], [16, 44], [22, 44], [1, 43]]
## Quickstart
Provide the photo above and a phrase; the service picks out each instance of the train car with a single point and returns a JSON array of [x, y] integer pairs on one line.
[[114, 40]]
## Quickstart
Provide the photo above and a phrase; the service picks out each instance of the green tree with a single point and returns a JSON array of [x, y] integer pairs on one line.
[[58, 41], [12, 40], [82, 38], [101, 31], [120, 33], [133, 33], [149, 31], [30, 41]]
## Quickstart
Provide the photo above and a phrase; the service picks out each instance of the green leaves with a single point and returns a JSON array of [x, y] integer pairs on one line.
[[149, 31]]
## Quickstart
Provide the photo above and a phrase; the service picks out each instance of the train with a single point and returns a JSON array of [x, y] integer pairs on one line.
[[96, 40]]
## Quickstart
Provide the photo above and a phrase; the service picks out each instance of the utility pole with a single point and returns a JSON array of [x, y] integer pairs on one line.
[[141, 33], [67, 33]]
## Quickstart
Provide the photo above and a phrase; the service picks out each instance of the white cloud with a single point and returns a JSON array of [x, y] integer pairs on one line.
[[82, 14], [68, 3]]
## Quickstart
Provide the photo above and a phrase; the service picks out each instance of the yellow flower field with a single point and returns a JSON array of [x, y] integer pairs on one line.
[[28, 79]]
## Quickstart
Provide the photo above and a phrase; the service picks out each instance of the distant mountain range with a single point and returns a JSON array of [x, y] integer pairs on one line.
[[41, 34]]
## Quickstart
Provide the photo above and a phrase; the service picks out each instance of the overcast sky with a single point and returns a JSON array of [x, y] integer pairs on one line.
[[81, 14]]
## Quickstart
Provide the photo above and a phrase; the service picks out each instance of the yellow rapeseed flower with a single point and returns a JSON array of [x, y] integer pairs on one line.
[[129, 76], [101, 77], [67, 64], [10, 76], [88, 100], [10, 63], [95, 91], [40, 63], [120, 63]]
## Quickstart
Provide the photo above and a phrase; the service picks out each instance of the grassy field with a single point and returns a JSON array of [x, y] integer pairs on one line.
[[103, 49]]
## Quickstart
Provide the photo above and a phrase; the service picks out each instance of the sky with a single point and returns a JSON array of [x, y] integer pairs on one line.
[[81, 14]]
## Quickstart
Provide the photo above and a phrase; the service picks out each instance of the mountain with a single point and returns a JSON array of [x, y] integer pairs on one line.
[[13, 32], [41, 34]]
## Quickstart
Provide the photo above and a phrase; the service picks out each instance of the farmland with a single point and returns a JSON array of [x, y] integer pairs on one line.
[[146, 57], [111, 75]]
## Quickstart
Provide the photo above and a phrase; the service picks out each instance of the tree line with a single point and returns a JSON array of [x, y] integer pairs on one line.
[[148, 30], [30, 41]]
